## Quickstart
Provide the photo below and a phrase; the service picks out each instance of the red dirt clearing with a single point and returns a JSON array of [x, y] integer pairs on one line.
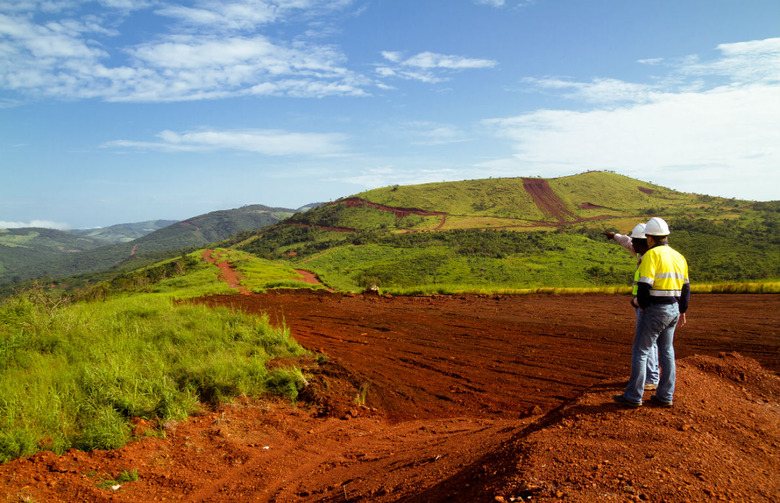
[[466, 398]]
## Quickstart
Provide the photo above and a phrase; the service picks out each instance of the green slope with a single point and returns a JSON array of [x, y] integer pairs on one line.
[[501, 197], [461, 235]]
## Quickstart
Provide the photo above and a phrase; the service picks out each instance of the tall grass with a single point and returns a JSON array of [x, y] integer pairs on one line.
[[74, 376]]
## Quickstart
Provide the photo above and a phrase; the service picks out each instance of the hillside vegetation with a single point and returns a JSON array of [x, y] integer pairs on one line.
[[77, 367], [36, 253], [23, 250], [518, 233]]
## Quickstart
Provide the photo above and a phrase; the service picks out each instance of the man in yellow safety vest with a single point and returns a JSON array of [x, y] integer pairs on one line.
[[636, 243], [663, 292]]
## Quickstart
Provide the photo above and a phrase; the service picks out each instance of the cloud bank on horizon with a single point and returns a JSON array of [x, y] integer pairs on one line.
[[116, 105]]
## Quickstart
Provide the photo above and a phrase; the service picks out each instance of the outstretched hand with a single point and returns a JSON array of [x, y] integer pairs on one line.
[[610, 234]]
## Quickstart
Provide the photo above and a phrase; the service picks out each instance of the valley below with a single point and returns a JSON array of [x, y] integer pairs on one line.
[[464, 398]]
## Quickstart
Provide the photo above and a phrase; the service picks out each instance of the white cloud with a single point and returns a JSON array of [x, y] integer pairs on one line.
[[429, 60], [427, 67], [392, 56], [717, 138], [227, 15], [266, 142], [71, 57], [44, 224], [247, 14], [432, 133], [600, 90], [503, 3], [753, 61]]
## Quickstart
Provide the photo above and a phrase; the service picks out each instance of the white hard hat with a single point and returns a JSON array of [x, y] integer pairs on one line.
[[638, 232], [656, 227]]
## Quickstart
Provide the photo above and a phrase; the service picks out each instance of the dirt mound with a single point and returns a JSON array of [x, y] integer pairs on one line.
[[471, 398], [719, 442]]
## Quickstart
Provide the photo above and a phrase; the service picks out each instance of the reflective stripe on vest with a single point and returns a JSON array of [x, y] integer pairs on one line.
[[665, 270]]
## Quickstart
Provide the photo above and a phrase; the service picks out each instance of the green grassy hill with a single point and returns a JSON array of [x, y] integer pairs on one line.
[[515, 233], [35, 253]]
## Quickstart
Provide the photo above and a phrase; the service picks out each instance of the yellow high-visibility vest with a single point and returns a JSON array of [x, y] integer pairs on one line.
[[635, 285], [665, 270]]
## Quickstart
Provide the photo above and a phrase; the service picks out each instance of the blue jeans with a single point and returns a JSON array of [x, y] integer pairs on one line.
[[657, 327], [651, 376]]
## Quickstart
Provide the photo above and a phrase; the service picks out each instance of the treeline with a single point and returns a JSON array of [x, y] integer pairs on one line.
[[279, 241], [730, 250]]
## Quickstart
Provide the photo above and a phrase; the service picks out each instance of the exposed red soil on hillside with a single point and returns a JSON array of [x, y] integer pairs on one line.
[[467, 398], [226, 271], [546, 200]]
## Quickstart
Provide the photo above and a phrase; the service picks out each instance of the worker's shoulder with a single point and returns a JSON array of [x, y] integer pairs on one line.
[[662, 251]]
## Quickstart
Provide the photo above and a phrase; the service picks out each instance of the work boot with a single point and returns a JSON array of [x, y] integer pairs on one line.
[[620, 399], [658, 401]]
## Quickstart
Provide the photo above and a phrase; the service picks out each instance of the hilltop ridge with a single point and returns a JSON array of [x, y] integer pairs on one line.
[[546, 233], [567, 200]]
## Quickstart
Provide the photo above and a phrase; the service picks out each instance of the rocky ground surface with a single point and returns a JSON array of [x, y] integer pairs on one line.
[[463, 398]]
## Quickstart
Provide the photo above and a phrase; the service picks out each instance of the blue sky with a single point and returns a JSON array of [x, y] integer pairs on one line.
[[115, 111]]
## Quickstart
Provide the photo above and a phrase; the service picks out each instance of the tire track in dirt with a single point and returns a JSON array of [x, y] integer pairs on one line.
[[505, 360], [520, 352], [546, 200], [392, 458]]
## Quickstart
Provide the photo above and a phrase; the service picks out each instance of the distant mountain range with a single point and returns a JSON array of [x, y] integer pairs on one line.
[[28, 253], [123, 233]]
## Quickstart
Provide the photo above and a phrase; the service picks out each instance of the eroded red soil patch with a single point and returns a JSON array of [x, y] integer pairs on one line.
[[546, 200], [226, 272], [468, 398]]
